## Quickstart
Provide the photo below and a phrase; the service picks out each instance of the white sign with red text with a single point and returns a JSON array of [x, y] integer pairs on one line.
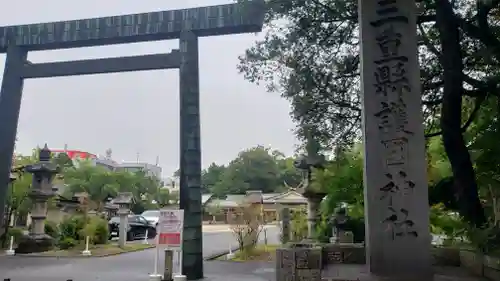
[[170, 227]]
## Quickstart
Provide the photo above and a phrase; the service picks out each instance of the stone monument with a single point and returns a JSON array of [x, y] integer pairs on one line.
[[124, 200], [43, 173], [395, 180], [314, 196]]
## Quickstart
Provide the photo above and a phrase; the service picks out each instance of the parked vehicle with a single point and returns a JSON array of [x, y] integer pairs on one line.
[[152, 216], [137, 227]]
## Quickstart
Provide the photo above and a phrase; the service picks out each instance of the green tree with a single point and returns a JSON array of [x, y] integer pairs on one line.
[[98, 182], [18, 202], [211, 176], [163, 197], [289, 176], [342, 179], [253, 169], [63, 160]]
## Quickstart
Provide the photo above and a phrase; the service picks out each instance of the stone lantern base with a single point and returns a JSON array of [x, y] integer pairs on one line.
[[35, 244]]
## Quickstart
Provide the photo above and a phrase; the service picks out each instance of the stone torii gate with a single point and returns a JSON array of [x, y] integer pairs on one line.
[[187, 25]]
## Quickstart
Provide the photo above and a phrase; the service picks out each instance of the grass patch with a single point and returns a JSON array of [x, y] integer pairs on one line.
[[260, 253], [96, 250]]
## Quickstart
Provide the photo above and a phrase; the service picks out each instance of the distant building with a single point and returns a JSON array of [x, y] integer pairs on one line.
[[108, 163], [172, 184], [272, 204], [149, 169], [74, 154]]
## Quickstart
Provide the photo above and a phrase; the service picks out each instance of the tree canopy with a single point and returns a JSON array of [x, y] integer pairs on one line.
[[256, 168]]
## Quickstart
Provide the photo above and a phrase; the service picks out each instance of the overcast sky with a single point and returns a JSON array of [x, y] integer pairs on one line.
[[138, 112]]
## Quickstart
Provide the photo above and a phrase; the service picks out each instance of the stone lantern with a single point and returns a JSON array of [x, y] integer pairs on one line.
[[305, 163], [41, 191], [124, 200]]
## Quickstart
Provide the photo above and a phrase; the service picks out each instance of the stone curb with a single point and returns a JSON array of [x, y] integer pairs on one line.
[[219, 254], [81, 256]]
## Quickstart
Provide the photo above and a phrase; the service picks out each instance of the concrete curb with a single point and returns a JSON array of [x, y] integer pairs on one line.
[[81, 256], [220, 254]]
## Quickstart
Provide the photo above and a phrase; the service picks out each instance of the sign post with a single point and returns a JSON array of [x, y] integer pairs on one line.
[[171, 226], [155, 276]]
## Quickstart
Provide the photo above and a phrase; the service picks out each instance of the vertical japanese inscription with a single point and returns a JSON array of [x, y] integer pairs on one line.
[[392, 86]]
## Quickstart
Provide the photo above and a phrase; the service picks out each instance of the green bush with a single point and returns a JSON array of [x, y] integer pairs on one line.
[[67, 243], [51, 229], [72, 227], [97, 230], [298, 225], [17, 233]]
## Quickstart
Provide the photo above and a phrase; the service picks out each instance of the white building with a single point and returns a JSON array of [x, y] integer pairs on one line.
[[150, 169], [106, 163], [172, 184]]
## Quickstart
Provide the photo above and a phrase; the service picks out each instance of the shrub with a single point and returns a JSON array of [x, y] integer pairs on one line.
[[51, 229], [67, 243], [246, 224], [17, 233], [72, 227], [97, 229], [298, 224]]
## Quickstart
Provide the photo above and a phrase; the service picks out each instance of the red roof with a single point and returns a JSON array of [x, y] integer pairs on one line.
[[75, 153]]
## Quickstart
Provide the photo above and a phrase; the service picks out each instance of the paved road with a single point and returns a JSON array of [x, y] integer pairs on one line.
[[126, 267]]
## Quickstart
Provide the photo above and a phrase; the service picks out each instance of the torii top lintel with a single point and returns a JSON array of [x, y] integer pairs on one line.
[[234, 18]]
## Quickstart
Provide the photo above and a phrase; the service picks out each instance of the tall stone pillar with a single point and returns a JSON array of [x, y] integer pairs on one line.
[[10, 104], [396, 195], [190, 157]]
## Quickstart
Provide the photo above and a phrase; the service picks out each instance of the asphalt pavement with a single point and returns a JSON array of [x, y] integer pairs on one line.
[[134, 266]]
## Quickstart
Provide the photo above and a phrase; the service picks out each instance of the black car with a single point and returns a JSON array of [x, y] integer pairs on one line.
[[137, 228]]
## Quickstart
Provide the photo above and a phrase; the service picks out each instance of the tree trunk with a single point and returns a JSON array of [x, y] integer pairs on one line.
[[465, 186]]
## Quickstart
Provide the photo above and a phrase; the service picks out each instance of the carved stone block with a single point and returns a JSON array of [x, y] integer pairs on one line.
[[344, 253], [285, 265], [346, 237], [308, 275], [308, 258], [472, 261], [299, 264], [442, 256]]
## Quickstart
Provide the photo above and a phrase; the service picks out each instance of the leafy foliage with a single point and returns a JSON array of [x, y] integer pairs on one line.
[[257, 168]]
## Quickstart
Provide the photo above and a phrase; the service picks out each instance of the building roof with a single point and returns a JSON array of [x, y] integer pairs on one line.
[[234, 200], [72, 154], [205, 198], [289, 197]]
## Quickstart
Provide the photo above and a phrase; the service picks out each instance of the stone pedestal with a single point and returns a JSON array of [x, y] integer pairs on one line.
[[122, 234], [299, 264], [396, 192], [123, 200], [35, 244], [346, 237], [285, 225], [343, 254], [312, 215], [168, 268]]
